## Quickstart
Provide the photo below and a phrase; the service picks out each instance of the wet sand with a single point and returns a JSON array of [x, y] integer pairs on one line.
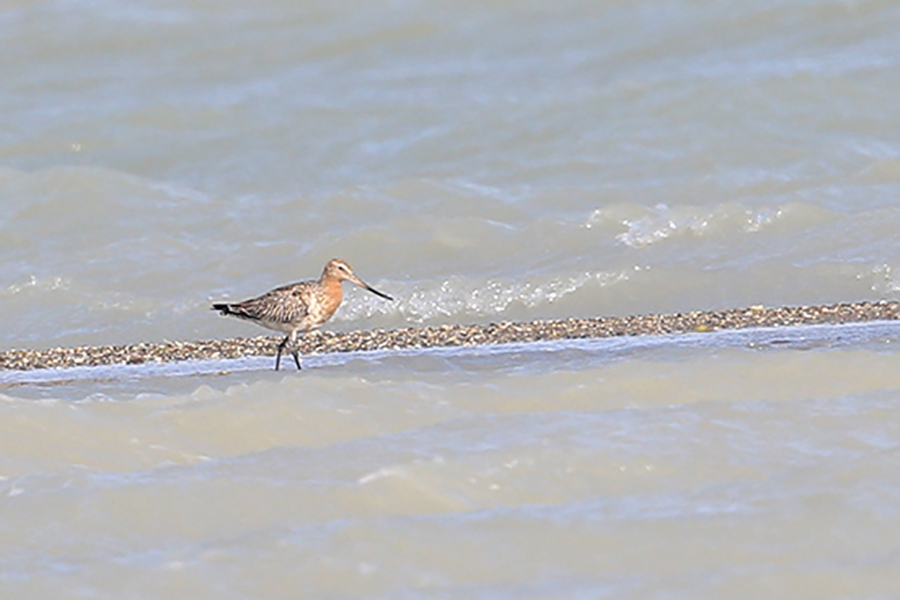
[[323, 342]]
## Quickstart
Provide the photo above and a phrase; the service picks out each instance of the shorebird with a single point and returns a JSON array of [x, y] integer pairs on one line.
[[298, 307]]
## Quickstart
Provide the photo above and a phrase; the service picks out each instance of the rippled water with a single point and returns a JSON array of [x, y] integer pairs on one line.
[[479, 162]]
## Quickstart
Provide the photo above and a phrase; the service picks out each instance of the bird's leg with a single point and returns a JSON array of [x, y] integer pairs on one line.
[[294, 351], [280, 349]]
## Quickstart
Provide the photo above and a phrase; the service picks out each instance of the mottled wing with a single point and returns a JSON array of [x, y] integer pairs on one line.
[[286, 304]]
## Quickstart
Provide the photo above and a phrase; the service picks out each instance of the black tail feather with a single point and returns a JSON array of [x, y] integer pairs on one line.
[[225, 309]]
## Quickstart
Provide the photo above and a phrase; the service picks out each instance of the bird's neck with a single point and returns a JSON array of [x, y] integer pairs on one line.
[[334, 290]]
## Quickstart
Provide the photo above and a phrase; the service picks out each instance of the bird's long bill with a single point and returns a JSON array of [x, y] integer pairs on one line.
[[363, 284], [377, 293]]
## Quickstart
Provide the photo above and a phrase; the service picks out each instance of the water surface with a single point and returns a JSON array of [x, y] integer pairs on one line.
[[479, 162]]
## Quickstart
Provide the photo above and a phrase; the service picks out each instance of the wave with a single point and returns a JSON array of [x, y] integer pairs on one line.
[[462, 297], [645, 226]]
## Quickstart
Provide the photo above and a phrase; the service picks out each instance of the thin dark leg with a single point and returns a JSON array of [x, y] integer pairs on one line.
[[280, 349], [294, 351]]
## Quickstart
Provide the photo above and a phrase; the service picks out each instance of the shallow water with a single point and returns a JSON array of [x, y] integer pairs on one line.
[[498, 161]]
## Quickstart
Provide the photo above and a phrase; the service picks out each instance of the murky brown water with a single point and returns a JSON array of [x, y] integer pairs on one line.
[[498, 161]]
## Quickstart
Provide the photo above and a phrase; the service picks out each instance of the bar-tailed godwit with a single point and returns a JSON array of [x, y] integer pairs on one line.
[[298, 307]]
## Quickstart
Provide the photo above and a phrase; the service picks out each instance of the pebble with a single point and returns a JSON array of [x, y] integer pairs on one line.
[[319, 342]]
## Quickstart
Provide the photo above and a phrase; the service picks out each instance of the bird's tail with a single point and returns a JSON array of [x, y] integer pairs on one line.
[[225, 309]]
